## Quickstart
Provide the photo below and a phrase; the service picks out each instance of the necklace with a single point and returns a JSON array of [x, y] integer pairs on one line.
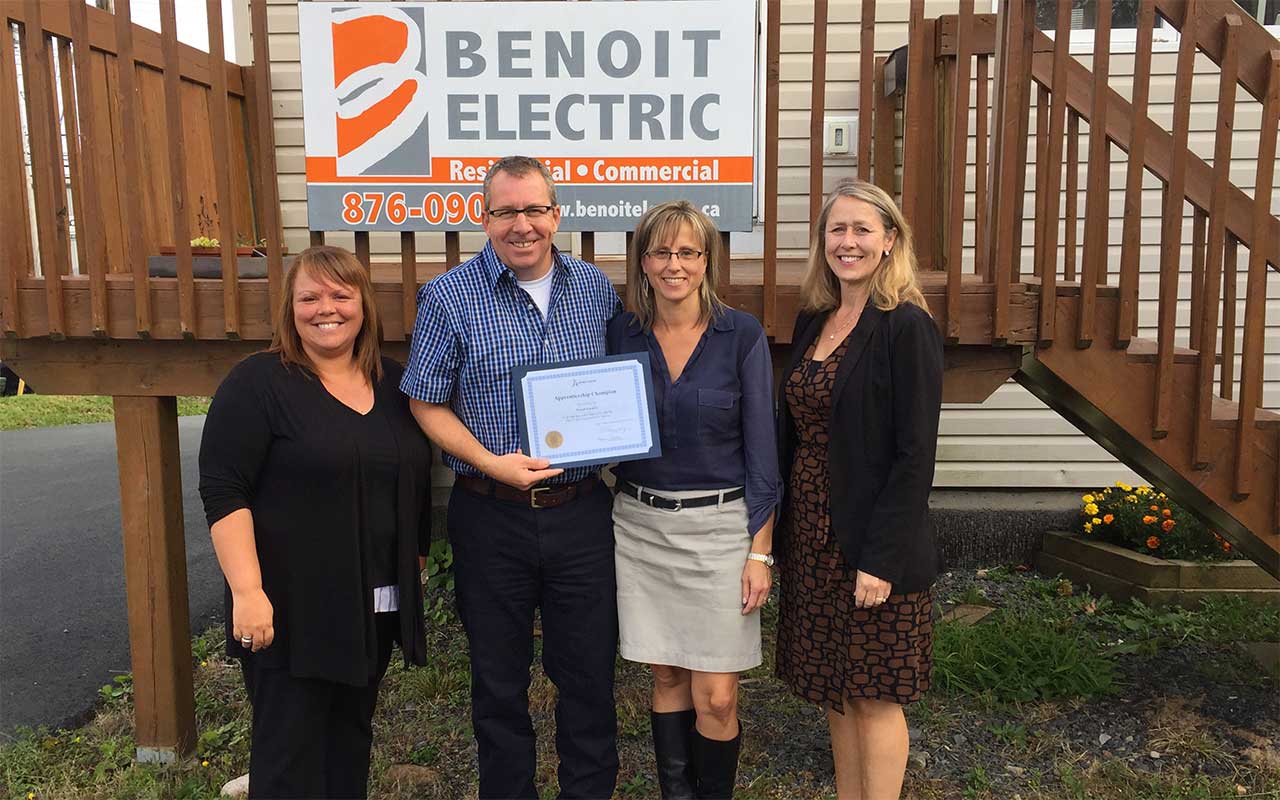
[[839, 328]]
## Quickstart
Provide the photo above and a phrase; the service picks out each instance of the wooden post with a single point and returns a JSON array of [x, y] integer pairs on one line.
[[155, 570]]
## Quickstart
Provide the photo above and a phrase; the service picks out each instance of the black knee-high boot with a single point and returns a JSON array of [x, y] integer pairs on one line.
[[715, 764], [671, 732]]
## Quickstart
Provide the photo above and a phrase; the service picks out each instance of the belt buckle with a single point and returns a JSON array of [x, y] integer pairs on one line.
[[533, 496], [679, 505]]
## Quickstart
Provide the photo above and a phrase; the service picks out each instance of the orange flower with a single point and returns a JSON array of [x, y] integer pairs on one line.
[[1166, 513], [1152, 542], [1167, 525], [1108, 518], [1226, 546], [1155, 508], [1148, 519]]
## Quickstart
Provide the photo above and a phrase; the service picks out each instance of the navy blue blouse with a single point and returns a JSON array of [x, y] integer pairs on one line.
[[716, 421]]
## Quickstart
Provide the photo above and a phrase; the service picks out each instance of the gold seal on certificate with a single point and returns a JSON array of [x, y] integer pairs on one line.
[[579, 413]]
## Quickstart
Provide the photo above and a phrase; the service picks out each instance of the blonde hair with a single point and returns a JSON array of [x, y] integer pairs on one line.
[[894, 282], [662, 223], [335, 265]]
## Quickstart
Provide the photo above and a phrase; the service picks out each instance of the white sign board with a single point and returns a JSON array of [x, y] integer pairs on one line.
[[406, 105]]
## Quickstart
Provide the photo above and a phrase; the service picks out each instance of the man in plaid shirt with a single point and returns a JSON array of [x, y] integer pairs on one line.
[[524, 536]]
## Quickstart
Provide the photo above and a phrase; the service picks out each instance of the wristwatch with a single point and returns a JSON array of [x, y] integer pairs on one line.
[[766, 558]]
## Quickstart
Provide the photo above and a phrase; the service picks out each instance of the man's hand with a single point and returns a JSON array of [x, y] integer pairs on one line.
[[518, 470]]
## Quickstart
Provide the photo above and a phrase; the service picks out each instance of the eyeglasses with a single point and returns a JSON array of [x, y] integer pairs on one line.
[[530, 212], [685, 254]]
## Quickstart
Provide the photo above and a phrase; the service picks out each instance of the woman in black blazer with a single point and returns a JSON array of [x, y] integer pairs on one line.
[[858, 429]]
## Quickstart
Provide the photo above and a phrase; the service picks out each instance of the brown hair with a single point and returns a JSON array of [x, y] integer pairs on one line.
[[894, 281], [518, 167], [659, 224], [335, 265]]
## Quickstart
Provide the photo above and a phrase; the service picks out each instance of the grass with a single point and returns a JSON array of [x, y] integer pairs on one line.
[[48, 410], [984, 740]]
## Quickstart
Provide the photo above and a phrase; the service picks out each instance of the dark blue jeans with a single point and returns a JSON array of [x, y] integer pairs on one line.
[[509, 560]]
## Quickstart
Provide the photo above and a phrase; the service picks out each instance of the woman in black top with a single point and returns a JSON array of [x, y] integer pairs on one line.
[[858, 429], [316, 484]]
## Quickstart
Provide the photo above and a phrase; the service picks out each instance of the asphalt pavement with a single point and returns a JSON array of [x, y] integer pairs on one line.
[[64, 628]]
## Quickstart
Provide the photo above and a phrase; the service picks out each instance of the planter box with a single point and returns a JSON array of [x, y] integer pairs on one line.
[[1122, 574], [170, 250], [210, 266]]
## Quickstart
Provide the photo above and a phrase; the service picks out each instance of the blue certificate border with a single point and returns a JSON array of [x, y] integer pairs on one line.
[[582, 458]]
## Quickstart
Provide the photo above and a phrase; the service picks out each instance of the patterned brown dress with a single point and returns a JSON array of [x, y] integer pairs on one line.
[[828, 648]]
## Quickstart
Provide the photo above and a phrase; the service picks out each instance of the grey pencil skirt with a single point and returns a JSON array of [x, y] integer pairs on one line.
[[680, 584]]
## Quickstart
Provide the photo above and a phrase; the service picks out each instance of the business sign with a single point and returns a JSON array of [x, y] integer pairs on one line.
[[406, 106]]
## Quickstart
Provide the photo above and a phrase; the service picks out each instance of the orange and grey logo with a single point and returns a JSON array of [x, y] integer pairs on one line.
[[379, 79]]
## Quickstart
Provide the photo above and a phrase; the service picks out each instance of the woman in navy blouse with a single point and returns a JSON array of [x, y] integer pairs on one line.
[[694, 528]]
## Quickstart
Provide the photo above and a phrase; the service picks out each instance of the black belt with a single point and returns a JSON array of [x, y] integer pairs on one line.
[[536, 498], [673, 504]]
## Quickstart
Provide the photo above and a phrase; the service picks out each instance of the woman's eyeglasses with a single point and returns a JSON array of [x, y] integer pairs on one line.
[[685, 254]]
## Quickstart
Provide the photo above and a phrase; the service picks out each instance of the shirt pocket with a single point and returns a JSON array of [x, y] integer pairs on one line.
[[719, 415]]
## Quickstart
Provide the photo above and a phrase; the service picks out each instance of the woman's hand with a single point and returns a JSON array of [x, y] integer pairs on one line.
[[871, 591], [756, 580], [252, 620]]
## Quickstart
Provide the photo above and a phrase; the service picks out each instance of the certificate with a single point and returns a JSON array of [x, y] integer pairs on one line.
[[596, 411]]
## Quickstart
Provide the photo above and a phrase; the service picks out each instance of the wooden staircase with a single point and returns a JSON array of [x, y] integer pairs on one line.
[[1108, 391]]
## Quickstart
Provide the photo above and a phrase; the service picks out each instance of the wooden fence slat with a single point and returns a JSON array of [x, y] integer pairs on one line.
[[959, 146], [1072, 197], [91, 239], [408, 282], [982, 265], [16, 255], [315, 239], [269, 201], [867, 83], [1171, 233], [1093, 263], [129, 184], [46, 160], [885, 128], [914, 135], [773, 16], [1255, 308], [178, 171], [362, 248], [1008, 156], [452, 249], [588, 247], [1041, 194], [1206, 337], [726, 274], [1131, 235], [817, 107], [1230, 280], [220, 128], [1052, 167]]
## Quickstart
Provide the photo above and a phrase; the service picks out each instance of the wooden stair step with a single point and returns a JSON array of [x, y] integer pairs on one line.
[[1144, 351], [1224, 414]]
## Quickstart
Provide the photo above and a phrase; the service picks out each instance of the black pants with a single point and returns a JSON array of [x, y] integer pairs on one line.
[[508, 560], [311, 738]]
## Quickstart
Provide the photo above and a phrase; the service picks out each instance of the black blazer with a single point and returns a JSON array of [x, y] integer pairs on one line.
[[884, 437]]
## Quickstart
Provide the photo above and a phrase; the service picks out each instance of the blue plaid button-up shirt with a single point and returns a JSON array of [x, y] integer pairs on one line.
[[475, 323]]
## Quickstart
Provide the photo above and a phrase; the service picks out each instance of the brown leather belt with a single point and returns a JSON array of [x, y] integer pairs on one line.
[[538, 497]]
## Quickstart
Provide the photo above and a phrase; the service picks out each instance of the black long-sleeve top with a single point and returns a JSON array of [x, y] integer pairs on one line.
[[883, 441], [314, 473]]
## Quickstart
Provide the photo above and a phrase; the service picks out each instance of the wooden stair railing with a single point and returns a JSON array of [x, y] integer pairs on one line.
[[1209, 444]]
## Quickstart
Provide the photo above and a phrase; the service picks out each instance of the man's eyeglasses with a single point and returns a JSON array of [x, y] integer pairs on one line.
[[530, 212], [685, 254]]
